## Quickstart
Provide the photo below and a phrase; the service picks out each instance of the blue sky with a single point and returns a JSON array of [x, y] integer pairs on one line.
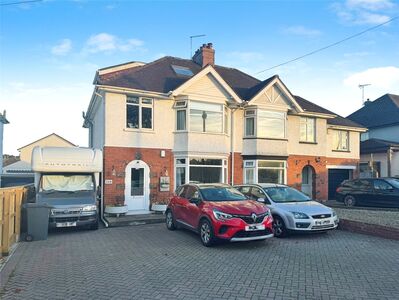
[[50, 50]]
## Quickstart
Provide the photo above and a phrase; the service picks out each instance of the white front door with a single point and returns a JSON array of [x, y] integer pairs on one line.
[[137, 187], [307, 181]]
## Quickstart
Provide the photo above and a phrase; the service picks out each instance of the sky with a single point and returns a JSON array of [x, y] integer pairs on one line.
[[50, 51]]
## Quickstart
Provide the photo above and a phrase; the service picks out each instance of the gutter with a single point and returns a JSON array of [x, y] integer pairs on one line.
[[102, 205]]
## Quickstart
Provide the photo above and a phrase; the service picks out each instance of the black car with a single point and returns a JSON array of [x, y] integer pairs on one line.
[[379, 192]]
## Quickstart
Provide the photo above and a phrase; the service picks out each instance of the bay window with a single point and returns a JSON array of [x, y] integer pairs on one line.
[[139, 112], [307, 130], [265, 124], [340, 140], [264, 171]]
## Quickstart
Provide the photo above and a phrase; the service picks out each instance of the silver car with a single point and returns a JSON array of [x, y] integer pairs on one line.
[[292, 210]]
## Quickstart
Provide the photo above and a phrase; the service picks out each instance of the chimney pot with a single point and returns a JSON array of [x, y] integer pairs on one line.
[[205, 55]]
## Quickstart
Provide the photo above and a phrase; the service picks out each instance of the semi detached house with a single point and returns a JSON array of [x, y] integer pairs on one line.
[[174, 121]]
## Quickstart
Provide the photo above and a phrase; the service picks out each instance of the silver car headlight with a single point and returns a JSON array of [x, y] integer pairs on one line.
[[89, 208], [221, 215], [334, 214], [299, 215]]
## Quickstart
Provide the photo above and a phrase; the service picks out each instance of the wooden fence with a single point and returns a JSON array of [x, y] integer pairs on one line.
[[11, 200]]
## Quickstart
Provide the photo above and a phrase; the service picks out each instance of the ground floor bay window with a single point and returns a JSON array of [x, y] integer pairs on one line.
[[200, 170], [265, 171]]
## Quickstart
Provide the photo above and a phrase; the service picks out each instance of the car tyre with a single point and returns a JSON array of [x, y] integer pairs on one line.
[[279, 228], [170, 220], [206, 233], [349, 201]]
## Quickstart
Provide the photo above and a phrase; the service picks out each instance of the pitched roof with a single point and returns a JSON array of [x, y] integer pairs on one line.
[[376, 145], [159, 76], [383, 111], [60, 137]]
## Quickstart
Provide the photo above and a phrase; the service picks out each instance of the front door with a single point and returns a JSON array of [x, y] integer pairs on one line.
[[307, 181], [137, 189]]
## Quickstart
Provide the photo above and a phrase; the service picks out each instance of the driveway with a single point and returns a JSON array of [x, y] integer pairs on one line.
[[149, 262]]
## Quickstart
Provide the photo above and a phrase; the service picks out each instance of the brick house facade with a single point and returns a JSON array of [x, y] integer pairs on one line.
[[174, 121]]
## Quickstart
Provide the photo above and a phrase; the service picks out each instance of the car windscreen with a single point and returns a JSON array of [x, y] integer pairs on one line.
[[221, 194], [394, 182], [286, 194], [67, 183]]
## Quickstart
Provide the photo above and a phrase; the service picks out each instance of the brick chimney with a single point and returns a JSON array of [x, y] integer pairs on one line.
[[205, 55]]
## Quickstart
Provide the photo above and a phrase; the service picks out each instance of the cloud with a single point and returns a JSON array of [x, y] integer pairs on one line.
[[302, 31], [62, 48], [105, 42], [363, 11], [384, 77]]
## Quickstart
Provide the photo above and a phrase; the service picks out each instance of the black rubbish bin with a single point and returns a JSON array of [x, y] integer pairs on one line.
[[37, 220]]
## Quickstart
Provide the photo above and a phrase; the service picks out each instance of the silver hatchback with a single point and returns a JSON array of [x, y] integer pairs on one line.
[[292, 210]]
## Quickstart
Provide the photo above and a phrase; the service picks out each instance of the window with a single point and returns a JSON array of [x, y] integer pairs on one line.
[[271, 124], [181, 120], [257, 193], [139, 112], [340, 140], [307, 130], [271, 171], [226, 120], [137, 182], [184, 71], [206, 117], [250, 122], [180, 171], [382, 185], [249, 171], [180, 104]]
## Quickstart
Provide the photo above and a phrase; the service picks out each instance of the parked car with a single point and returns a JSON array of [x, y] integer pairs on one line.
[[218, 212], [379, 192], [291, 209]]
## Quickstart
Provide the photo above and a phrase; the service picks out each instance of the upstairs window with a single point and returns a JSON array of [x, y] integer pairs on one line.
[[307, 130], [179, 70], [340, 140], [250, 116], [206, 117], [271, 124], [139, 113]]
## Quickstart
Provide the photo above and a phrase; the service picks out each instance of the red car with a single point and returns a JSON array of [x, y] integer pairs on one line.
[[218, 211]]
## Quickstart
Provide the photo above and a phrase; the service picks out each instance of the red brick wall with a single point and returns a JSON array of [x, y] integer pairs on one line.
[[115, 161], [238, 169], [320, 183]]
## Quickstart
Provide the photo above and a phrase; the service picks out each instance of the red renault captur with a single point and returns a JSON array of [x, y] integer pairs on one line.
[[218, 211]]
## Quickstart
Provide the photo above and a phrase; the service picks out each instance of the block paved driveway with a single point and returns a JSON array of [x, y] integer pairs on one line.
[[149, 262]]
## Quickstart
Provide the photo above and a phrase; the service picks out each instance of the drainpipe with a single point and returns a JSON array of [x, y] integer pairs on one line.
[[105, 222], [389, 159], [232, 145]]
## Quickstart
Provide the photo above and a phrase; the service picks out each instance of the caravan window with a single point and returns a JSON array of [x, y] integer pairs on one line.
[[67, 183]]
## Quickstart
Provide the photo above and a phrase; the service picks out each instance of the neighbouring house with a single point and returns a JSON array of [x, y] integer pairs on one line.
[[379, 147], [173, 121], [3, 120], [20, 172]]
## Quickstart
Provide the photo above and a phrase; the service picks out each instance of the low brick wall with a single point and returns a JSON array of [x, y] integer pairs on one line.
[[371, 229]]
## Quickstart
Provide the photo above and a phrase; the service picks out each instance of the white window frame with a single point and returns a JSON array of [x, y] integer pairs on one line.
[[249, 114], [140, 105], [306, 119], [336, 133], [254, 164], [254, 113]]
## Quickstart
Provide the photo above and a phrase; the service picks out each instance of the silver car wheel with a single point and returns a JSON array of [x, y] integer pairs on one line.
[[278, 227], [169, 219], [205, 232], [349, 201]]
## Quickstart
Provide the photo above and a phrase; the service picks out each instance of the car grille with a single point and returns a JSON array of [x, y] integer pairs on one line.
[[321, 216], [323, 226], [67, 211], [249, 220], [244, 234], [70, 219]]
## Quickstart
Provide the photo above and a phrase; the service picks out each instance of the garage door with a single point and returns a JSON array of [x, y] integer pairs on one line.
[[335, 177]]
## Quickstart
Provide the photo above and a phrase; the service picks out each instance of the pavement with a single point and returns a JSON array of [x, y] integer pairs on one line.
[[150, 262]]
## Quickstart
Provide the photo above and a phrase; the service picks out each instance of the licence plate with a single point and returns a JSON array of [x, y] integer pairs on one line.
[[65, 224], [325, 222], [254, 227]]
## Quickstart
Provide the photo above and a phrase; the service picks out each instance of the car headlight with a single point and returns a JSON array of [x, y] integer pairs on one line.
[[89, 208], [221, 215], [299, 215], [334, 214]]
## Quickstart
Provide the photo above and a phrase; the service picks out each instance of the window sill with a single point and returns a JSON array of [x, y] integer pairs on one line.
[[138, 130], [264, 138], [197, 132], [305, 142], [345, 151]]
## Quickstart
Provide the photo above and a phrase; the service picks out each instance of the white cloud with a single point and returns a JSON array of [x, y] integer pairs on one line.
[[62, 48], [384, 77], [364, 11], [303, 31], [105, 42]]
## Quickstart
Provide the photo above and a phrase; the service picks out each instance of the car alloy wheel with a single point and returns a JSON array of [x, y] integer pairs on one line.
[[206, 233], [349, 201], [278, 227], [170, 224]]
